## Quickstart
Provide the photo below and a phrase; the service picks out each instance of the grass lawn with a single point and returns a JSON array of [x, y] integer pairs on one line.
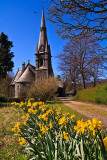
[[9, 147], [56, 103], [9, 116]]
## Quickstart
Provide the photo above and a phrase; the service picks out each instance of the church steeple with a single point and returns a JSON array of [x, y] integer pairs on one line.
[[43, 53], [43, 34]]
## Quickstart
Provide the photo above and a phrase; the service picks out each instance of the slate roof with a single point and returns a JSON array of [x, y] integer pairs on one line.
[[27, 76], [16, 77]]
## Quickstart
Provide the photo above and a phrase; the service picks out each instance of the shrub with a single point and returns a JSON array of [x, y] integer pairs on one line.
[[94, 95], [44, 89], [24, 92], [4, 98], [5, 88]]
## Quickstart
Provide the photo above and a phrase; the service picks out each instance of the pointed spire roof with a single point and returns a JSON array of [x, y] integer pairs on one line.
[[43, 34], [43, 20]]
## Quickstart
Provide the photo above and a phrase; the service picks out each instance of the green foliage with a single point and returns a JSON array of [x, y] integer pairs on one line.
[[6, 64], [94, 95]]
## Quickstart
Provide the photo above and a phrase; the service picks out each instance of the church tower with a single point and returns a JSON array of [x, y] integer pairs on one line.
[[43, 54]]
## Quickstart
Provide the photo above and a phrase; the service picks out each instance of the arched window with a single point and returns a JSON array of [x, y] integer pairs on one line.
[[41, 61]]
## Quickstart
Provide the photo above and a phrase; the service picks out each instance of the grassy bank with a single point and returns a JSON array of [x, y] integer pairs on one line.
[[97, 94]]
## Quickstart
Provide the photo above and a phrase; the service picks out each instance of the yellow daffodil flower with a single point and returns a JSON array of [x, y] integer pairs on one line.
[[62, 121], [65, 136], [22, 141], [105, 142]]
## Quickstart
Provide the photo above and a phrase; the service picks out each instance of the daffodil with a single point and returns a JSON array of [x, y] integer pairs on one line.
[[23, 117], [44, 117], [81, 126], [65, 136], [96, 123], [62, 121], [50, 125], [105, 142], [40, 125], [67, 114], [50, 111], [73, 116], [44, 129], [16, 128], [22, 141]]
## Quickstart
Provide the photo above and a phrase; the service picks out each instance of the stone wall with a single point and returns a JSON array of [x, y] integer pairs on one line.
[[41, 74]]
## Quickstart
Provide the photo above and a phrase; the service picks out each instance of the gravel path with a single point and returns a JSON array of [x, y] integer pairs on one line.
[[89, 110]]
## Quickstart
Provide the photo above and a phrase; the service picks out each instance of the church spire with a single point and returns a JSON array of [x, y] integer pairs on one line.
[[43, 20], [43, 34]]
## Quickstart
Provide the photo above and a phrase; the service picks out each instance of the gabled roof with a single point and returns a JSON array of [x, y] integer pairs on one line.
[[16, 77], [28, 75]]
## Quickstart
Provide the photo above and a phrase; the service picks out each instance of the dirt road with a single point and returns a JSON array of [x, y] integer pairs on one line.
[[89, 110]]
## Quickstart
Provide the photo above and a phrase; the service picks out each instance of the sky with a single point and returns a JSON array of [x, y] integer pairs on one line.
[[22, 26]]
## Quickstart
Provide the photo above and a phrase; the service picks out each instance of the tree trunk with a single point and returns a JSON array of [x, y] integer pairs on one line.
[[83, 81], [75, 88], [94, 81]]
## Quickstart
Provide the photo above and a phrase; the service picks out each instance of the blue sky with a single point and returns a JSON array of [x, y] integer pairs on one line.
[[18, 21]]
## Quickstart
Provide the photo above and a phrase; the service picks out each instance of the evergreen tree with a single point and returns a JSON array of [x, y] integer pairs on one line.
[[6, 63]]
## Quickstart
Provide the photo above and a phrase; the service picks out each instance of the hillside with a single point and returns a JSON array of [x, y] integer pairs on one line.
[[97, 94]]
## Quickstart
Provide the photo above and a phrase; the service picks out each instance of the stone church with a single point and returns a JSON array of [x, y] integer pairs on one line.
[[42, 69]]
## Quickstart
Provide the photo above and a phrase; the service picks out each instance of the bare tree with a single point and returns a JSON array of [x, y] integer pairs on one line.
[[67, 64], [96, 68], [80, 57], [73, 16]]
